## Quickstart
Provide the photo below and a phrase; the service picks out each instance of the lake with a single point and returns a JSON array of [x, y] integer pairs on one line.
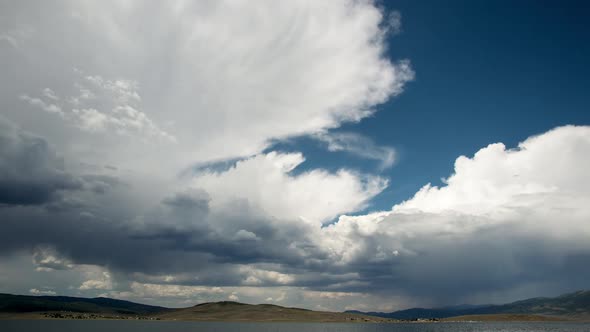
[[131, 326]]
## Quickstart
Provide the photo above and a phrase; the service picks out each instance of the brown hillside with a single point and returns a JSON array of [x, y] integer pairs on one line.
[[234, 311]]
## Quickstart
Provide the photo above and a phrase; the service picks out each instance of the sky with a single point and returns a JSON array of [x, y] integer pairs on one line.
[[331, 155]]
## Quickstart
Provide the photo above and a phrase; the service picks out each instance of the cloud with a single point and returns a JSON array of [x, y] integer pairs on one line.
[[394, 22], [224, 86], [121, 90], [244, 235], [357, 145], [496, 178], [264, 277], [506, 218], [155, 290], [265, 181], [493, 233], [36, 291], [232, 79], [31, 172], [116, 113], [279, 298], [210, 81], [50, 108], [233, 297], [103, 283], [48, 93], [191, 199], [47, 259]]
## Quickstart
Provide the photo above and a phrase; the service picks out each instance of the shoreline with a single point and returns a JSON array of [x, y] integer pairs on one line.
[[73, 316]]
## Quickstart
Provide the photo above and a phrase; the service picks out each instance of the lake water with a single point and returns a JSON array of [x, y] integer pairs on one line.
[[139, 326]]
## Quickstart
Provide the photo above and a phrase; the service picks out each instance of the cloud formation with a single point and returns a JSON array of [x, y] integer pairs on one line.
[[31, 172], [506, 218], [512, 237], [100, 193], [225, 73], [358, 145], [315, 196], [102, 105]]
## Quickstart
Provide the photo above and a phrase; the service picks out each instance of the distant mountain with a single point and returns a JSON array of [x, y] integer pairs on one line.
[[572, 305], [568, 306], [12, 306], [23, 303]]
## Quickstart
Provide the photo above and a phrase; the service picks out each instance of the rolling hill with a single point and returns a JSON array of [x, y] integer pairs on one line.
[[234, 311], [572, 306], [568, 306], [22, 303], [15, 306]]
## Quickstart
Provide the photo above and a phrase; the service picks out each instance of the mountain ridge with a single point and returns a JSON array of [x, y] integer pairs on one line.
[[575, 305], [570, 306], [35, 307], [30, 303]]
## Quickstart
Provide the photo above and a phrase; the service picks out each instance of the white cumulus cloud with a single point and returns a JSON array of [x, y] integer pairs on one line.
[[504, 217], [266, 182]]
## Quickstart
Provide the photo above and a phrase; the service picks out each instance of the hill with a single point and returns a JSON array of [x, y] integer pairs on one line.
[[573, 306], [568, 306], [32, 307], [23, 303], [234, 311]]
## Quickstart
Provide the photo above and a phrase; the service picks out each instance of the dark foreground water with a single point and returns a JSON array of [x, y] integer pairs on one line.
[[139, 326]]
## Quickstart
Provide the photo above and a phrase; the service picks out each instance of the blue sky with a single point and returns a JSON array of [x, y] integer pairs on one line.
[[278, 151], [486, 72]]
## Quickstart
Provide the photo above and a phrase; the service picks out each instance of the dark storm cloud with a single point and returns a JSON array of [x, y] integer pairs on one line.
[[185, 224], [211, 246], [158, 247], [179, 238], [185, 238], [442, 267], [445, 267], [31, 173]]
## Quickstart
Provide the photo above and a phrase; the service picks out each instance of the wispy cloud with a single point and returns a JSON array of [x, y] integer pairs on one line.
[[358, 145]]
